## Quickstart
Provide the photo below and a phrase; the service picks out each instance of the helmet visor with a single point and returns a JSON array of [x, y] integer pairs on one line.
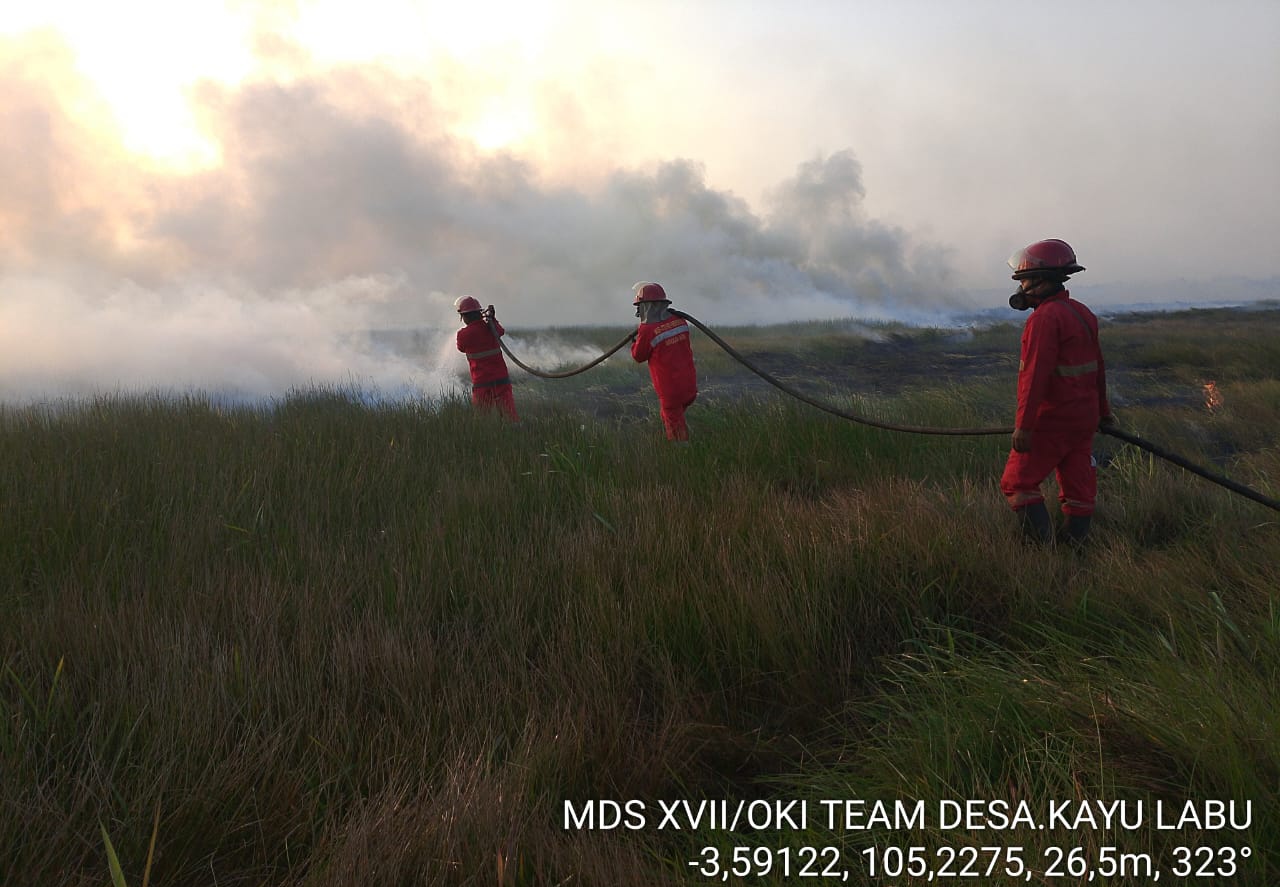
[[1023, 264]]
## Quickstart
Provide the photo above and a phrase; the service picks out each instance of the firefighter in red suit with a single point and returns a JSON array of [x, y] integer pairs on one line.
[[1062, 395], [490, 383], [663, 340]]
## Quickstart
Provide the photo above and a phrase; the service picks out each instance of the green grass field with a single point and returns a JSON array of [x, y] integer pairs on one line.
[[323, 642]]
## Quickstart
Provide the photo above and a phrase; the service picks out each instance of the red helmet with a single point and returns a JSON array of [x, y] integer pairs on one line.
[[466, 304], [1044, 257], [649, 292]]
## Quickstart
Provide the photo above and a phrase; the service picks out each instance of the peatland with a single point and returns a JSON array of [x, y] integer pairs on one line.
[[331, 640]]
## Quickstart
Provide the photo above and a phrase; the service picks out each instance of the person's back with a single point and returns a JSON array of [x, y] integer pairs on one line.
[[478, 340], [484, 354], [662, 340]]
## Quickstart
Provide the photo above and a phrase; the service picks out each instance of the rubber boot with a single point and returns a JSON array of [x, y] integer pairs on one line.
[[1077, 530], [1036, 526]]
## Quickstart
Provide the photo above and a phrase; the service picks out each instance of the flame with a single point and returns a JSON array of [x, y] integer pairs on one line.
[[1212, 397]]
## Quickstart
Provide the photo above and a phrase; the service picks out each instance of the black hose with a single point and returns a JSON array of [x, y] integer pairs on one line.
[[1226, 482], [1125, 436], [1218, 479], [561, 375], [828, 408]]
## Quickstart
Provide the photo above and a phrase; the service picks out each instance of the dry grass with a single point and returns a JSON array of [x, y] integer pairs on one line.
[[338, 643]]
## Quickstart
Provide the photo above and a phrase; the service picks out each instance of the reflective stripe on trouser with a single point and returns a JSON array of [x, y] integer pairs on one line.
[[496, 397], [673, 420], [1070, 455]]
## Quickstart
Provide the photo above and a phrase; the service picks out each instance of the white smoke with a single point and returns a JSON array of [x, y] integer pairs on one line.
[[342, 209], [57, 342]]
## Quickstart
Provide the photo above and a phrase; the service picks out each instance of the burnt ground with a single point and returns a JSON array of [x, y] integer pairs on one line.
[[836, 371], [885, 369], [1157, 362]]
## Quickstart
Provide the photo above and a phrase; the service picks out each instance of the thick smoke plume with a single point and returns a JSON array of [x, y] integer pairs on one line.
[[55, 342], [342, 206]]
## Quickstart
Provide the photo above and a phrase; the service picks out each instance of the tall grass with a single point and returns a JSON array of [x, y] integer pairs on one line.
[[336, 642]]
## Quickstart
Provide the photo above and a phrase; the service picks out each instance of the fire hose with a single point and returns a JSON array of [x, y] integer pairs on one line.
[[1111, 430], [1218, 479], [826, 407], [542, 374]]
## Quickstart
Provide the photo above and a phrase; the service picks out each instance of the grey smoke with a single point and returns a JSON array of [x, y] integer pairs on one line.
[[343, 207]]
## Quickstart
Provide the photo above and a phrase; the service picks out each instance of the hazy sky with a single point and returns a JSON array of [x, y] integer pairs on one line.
[[179, 177]]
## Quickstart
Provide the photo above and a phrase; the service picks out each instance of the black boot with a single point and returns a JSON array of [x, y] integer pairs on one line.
[[1077, 529], [1036, 527]]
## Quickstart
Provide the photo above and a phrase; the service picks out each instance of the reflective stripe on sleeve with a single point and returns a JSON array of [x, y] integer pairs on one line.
[[674, 331], [476, 355], [1077, 370]]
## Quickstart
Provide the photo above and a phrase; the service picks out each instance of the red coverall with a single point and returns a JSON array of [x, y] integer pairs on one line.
[[1062, 395], [490, 383], [665, 345]]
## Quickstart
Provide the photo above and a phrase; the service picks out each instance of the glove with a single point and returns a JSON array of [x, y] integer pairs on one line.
[[1106, 422], [488, 314]]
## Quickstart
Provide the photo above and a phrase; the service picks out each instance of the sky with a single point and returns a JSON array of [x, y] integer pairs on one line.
[[230, 194]]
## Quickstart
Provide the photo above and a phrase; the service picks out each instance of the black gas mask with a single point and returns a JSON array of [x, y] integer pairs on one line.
[[1019, 301], [1022, 300]]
